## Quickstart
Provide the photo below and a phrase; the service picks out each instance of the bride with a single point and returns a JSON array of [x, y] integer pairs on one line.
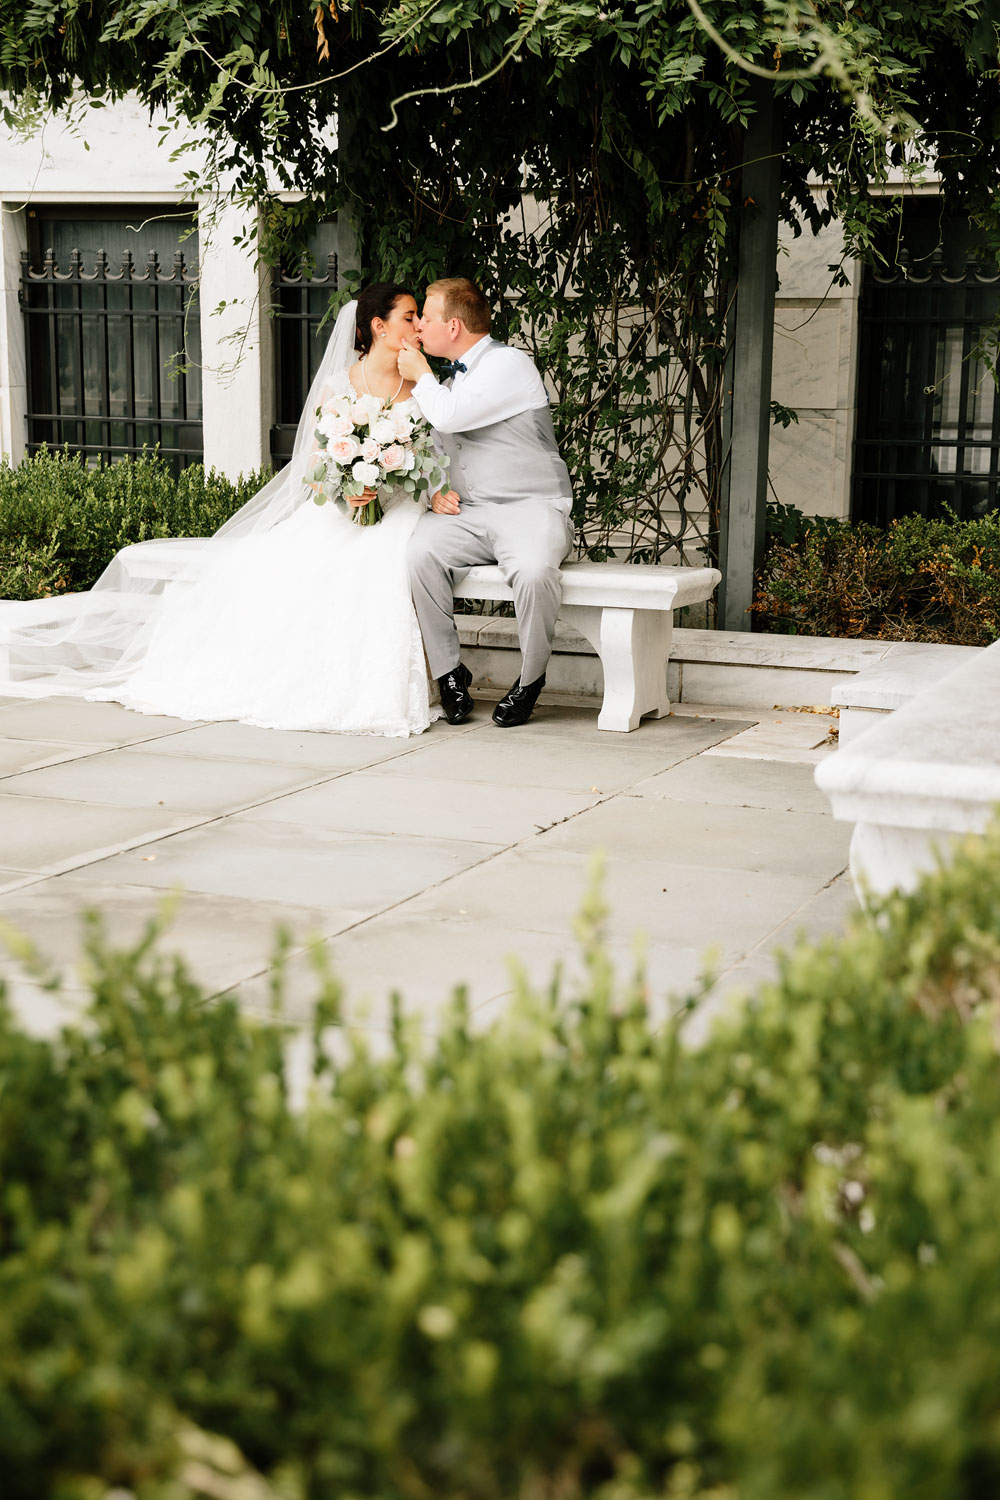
[[289, 617]]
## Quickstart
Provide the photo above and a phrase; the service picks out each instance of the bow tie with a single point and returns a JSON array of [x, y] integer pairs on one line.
[[452, 367]]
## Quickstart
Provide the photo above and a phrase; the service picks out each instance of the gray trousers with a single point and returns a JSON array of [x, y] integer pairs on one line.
[[528, 538]]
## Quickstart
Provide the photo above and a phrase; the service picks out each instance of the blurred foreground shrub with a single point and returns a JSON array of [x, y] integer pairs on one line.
[[564, 1257], [62, 523], [919, 580]]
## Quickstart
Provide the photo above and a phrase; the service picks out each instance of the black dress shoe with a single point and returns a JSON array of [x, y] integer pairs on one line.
[[456, 700], [515, 707]]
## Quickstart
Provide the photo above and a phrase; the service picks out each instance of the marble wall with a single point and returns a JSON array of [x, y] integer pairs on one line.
[[815, 373], [121, 155]]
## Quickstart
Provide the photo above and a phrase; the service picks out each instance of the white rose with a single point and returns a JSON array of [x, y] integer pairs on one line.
[[409, 460], [335, 406], [402, 426], [365, 410], [366, 474], [369, 450], [333, 426], [344, 450], [335, 389], [382, 430]]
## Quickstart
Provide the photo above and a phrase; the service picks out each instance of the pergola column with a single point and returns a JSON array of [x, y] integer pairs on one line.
[[747, 420]]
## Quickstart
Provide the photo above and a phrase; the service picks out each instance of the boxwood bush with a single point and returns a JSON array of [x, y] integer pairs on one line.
[[61, 523], [918, 580], [567, 1256]]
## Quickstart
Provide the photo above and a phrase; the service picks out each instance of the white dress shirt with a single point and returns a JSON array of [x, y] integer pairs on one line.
[[498, 382]]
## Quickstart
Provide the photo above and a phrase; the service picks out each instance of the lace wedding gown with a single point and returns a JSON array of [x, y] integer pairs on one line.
[[291, 617]]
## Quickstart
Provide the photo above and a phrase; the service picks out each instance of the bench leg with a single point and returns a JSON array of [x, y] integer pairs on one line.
[[633, 645]]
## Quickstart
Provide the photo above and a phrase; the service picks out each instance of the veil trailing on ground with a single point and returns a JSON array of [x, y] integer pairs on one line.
[[87, 644]]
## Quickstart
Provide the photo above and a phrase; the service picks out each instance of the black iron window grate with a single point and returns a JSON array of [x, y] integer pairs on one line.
[[928, 435], [113, 356], [301, 302]]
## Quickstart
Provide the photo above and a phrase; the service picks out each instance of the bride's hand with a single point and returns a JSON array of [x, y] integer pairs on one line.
[[365, 498]]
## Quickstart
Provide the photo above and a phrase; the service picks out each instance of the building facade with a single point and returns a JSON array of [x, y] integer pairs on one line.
[[132, 317]]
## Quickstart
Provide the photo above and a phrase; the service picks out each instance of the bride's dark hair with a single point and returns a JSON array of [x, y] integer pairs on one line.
[[376, 301]]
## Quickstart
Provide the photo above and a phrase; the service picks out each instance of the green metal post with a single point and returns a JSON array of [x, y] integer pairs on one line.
[[748, 393]]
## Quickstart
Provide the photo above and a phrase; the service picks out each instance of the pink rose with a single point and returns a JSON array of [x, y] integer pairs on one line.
[[343, 450], [392, 458], [369, 450]]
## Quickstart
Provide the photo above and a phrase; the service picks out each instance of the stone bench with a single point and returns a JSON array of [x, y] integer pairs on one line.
[[916, 777], [624, 610]]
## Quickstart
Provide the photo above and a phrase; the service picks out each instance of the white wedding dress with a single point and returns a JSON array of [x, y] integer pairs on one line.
[[291, 617]]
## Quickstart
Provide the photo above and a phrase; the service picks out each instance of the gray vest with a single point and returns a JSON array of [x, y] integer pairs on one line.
[[516, 459]]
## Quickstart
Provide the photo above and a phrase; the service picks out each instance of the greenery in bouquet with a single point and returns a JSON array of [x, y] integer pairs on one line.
[[364, 443]]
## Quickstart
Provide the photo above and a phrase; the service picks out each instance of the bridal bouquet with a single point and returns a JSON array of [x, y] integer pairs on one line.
[[363, 442]]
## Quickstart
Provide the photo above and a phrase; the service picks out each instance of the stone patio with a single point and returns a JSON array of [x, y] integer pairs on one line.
[[423, 863]]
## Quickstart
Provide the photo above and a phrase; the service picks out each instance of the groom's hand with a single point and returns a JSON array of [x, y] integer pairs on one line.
[[412, 363], [445, 503]]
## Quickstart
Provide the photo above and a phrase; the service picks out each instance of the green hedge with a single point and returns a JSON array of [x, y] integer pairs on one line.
[[62, 523], [917, 581], [565, 1257]]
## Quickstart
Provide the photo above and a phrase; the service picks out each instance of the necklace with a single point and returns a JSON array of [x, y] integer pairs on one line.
[[368, 389]]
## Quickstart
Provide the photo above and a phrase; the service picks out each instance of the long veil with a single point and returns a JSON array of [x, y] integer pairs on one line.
[[88, 644]]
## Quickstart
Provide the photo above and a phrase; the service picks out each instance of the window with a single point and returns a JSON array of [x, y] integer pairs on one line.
[[928, 433], [111, 333]]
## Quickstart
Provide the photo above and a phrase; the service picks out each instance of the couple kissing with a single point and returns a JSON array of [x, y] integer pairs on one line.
[[293, 617]]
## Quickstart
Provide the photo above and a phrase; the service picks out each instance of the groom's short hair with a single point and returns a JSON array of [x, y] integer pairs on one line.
[[462, 299]]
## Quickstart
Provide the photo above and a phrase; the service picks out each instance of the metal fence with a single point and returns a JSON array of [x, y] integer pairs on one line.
[[928, 433], [113, 356], [301, 301]]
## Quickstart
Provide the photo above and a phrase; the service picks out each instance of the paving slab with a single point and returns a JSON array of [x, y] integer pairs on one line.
[[82, 723], [686, 833], [43, 1012], [239, 742], [222, 939], [425, 961], [126, 778], [737, 782], [502, 757], [804, 739], [825, 915], [381, 802], [292, 863], [25, 755], [50, 835], [690, 906]]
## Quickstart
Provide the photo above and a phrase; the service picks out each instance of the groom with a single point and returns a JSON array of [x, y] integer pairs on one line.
[[511, 498]]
